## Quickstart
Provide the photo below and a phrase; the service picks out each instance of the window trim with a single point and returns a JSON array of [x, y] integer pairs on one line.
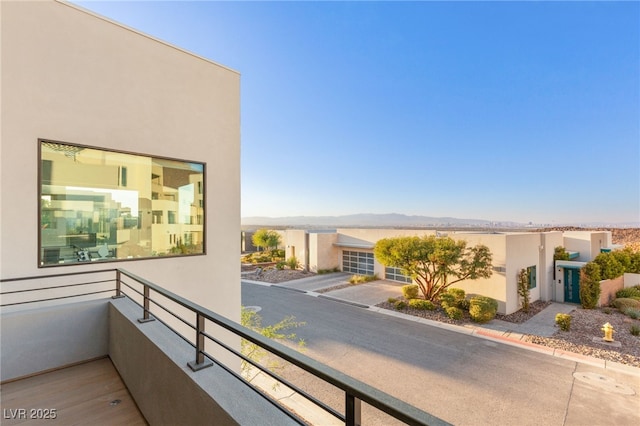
[[39, 256]]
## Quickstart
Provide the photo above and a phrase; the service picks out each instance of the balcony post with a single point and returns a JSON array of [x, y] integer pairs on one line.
[[146, 317], [353, 412], [200, 362], [118, 294]]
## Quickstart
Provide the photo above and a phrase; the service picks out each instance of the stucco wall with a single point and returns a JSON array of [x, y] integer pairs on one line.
[[631, 280], [549, 241], [322, 252], [36, 340], [608, 289], [70, 76], [294, 243]]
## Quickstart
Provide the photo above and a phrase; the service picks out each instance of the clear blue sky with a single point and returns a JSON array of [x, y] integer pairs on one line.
[[523, 111]]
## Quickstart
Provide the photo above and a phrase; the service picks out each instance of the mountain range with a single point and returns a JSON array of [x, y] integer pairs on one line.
[[394, 220]]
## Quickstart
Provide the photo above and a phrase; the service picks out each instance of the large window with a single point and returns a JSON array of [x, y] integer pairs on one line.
[[395, 274], [357, 262], [101, 205]]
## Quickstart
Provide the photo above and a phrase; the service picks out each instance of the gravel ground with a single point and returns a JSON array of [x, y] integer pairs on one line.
[[585, 326], [585, 323]]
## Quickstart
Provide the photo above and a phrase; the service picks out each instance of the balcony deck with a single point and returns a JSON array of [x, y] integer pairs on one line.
[[81, 394]]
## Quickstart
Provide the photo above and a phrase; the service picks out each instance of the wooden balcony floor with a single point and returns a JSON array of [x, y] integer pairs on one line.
[[82, 394]]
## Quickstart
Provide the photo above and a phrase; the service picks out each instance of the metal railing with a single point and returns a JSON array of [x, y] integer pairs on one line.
[[124, 285]]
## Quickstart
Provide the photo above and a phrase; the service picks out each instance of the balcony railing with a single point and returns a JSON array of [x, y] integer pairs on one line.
[[157, 303]]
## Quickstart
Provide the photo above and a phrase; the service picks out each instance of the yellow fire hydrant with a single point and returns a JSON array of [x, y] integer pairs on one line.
[[608, 332]]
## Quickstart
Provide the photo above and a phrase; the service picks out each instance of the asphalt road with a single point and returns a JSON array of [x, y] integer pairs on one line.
[[462, 379]]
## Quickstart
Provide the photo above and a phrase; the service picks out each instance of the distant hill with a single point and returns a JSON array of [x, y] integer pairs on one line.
[[395, 220], [392, 220]]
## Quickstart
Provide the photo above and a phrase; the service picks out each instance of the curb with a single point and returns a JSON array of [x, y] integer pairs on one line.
[[503, 337]]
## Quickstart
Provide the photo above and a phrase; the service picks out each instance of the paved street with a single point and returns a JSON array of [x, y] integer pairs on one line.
[[462, 379]]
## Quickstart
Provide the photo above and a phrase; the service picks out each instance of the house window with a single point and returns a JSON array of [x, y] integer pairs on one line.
[[357, 262], [395, 274], [531, 271], [102, 205]]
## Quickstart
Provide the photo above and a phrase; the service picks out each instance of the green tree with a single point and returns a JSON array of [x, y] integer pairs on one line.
[[590, 276], [435, 263], [279, 331], [560, 253], [523, 288], [266, 239], [610, 266]]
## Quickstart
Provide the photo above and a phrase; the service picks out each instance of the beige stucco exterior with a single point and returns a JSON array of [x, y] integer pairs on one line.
[[511, 252], [71, 76]]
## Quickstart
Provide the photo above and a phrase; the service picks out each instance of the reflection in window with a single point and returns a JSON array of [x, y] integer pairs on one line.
[[98, 205]]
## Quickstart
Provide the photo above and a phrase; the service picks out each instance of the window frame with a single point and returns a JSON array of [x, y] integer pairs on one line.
[[41, 255]]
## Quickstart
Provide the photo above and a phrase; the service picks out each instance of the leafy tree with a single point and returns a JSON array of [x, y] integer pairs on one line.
[[590, 276], [266, 239], [523, 288], [435, 263], [610, 266], [279, 331], [560, 253]]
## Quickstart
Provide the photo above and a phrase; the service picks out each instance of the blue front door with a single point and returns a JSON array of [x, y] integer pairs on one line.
[[571, 285]]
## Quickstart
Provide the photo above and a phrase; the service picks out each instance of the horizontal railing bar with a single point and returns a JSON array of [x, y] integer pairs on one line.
[[54, 287], [57, 298], [366, 393], [264, 395], [68, 274], [172, 314], [163, 323], [275, 376], [157, 304]]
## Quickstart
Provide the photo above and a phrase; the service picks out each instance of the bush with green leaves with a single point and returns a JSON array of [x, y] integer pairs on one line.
[[635, 330], [560, 253], [392, 300], [623, 303], [328, 271], [523, 288], [421, 304], [483, 309], [454, 313], [293, 262], [399, 304], [563, 321], [454, 297], [279, 331], [280, 265], [359, 279], [410, 291], [590, 277], [629, 292], [632, 313]]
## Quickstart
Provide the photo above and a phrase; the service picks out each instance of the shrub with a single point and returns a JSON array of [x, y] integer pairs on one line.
[[359, 279], [632, 313], [454, 313], [410, 291], [590, 285], [328, 271], [400, 304], [423, 305], [523, 288], [392, 300], [293, 262], [454, 297], [629, 292], [563, 321], [634, 330], [280, 265], [624, 303], [482, 308]]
